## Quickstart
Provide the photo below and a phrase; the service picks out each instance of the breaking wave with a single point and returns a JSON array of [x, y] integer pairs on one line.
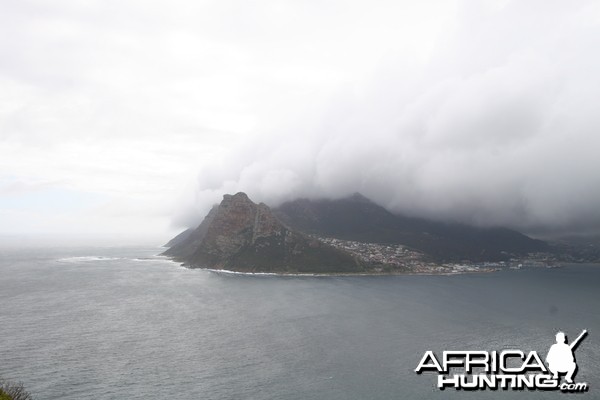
[[88, 259]]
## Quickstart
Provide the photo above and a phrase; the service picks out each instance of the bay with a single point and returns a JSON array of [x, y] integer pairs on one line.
[[115, 323]]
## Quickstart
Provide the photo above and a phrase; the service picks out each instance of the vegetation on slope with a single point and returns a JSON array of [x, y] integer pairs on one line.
[[13, 391]]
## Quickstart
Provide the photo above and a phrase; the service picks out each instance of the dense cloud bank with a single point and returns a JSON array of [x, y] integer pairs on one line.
[[496, 125]]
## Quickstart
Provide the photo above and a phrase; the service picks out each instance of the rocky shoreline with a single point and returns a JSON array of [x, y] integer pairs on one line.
[[332, 274]]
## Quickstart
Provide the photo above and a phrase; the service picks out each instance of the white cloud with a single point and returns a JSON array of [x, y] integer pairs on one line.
[[496, 127], [479, 111]]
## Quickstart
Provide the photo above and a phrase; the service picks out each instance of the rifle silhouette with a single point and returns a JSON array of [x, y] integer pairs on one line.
[[575, 342]]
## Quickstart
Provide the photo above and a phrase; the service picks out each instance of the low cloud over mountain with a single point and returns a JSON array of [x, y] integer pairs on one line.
[[495, 125]]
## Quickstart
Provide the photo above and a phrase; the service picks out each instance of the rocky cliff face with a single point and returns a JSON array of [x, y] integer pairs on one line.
[[240, 235]]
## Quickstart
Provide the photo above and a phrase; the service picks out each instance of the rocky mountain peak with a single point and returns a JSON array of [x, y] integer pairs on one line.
[[241, 235]]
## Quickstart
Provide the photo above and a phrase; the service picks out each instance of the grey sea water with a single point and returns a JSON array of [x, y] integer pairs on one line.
[[119, 323]]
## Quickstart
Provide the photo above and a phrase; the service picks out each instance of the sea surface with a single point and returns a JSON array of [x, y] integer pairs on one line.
[[121, 323]]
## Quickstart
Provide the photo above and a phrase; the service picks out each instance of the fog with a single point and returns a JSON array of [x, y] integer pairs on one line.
[[135, 117], [496, 126]]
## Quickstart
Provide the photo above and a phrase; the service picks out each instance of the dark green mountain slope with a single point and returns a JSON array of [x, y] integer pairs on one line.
[[357, 218]]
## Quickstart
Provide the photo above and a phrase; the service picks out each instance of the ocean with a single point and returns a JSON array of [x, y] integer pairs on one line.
[[121, 323]]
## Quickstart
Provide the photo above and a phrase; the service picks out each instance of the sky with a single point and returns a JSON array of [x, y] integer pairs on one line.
[[126, 120]]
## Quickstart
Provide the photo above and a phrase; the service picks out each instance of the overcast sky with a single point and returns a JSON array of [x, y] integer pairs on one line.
[[128, 119]]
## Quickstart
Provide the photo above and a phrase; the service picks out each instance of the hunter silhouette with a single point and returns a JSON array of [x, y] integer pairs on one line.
[[560, 357]]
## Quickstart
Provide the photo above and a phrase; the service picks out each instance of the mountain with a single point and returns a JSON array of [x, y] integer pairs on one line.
[[183, 249], [243, 236], [358, 218], [179, 238]]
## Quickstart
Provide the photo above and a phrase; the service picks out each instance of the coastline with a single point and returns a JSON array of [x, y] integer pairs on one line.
[[450, 272], [333, 274]]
